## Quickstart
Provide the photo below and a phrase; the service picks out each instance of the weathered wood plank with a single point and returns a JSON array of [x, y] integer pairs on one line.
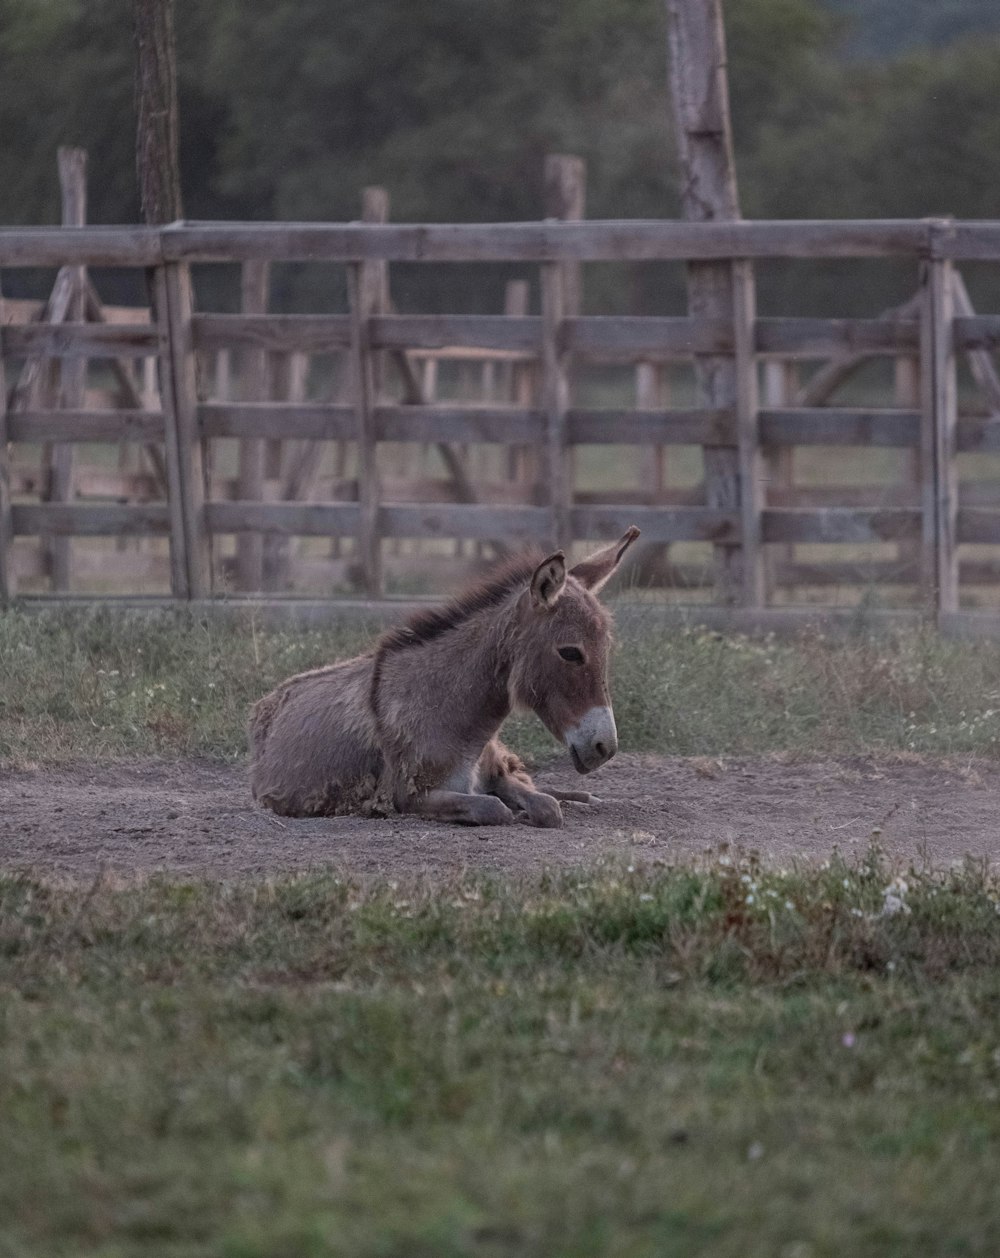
[[974, 332], [491, 424], [434, 332], [840, 524], [839, 426], [751, 460], [941, 417], [85, 425], [79, 246], [658, 524], [8, 580], [968, 241], [593, 240], [363, 295], [979, 435], [557, 471], [255, 382], [626, 337], [696, 426], [182, 425], [172, 441], [290, 519], [977, 524], [278, 333], [811, 338], [90, 520], [287, 421], [515, 524], [80, 340]]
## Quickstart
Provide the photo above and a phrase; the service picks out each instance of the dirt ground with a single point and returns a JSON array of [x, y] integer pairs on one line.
[[197, 818]]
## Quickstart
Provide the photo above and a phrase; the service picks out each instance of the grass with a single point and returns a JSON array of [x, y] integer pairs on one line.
[[717, 1059], [722, 1060], [105, 684]]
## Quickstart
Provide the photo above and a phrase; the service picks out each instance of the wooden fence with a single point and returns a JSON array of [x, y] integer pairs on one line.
[[762, 517]]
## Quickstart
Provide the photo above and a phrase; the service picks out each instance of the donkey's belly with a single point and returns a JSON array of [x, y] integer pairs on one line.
[[313, 746]]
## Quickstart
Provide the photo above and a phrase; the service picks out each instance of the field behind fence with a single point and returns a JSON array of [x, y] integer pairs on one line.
[[191, 454]]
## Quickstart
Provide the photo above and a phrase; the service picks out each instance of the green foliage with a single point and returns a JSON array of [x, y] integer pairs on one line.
[[106, 684], [722, 1060]]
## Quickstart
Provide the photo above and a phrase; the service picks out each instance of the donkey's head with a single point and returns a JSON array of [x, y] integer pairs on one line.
[[561, 671]]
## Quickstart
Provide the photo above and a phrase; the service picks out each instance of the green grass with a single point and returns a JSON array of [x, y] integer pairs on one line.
[[106, 684], [695, 1061]]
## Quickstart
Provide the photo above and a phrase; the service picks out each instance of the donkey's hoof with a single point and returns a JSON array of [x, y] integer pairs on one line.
[[490, 811], [543, 811]]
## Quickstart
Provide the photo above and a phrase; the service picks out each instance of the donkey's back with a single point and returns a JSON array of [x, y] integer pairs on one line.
[[313, 743]]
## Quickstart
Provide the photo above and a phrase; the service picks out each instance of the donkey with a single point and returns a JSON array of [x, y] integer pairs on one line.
[[413, 724]]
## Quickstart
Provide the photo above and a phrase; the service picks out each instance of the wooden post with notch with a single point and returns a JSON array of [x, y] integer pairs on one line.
[[703, 134]]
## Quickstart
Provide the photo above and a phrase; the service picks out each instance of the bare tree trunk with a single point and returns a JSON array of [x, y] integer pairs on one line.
[[700, 105], [157, 130]]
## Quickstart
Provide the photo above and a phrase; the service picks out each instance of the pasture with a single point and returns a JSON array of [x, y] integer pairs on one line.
[[747, 1006]]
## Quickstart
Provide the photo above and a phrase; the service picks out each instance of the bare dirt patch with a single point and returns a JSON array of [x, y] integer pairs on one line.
[[196, 818]]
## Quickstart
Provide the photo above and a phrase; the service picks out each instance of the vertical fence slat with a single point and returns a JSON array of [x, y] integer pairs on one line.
[[362, 295], [7, 584], [780, 389], [941, 419], [189, 533], [555, 402], [255, 279], [748, 433], [179, 585], [72, 373]]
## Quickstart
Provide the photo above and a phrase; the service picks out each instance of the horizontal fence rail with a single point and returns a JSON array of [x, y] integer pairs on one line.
[[243, 378]]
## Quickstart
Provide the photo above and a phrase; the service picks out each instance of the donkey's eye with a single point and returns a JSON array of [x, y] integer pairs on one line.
[[572, 654]]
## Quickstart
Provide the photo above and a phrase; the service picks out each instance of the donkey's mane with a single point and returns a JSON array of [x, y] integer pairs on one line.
[[425, 626]]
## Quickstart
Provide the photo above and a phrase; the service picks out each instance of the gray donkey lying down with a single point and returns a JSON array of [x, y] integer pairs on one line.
[[413, 724]]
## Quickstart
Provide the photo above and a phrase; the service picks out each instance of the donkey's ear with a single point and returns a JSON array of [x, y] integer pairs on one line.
[[548, 580], [596, 569]]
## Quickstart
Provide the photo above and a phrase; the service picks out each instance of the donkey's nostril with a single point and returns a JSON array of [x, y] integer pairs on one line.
[[601, 750]]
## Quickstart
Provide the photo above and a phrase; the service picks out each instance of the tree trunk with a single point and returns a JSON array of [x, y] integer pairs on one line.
[[157, 134], [700, 106]]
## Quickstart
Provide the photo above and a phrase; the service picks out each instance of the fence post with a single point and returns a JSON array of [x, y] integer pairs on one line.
[[72, 372], [940, 419], [565, 199], [555, 401], [190, 556], [751, 462], [255, 281], [362, 288], [7, 583], [780, 389]]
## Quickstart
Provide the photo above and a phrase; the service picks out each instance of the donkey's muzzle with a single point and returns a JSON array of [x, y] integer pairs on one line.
[[593, 740]]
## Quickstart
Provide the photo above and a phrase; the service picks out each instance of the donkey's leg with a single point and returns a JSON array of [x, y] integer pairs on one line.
[[503, 774], [575, 797], [470, 810]]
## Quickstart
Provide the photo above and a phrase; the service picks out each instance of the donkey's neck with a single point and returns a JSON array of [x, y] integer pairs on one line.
[[455, 683], [475, 659]]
